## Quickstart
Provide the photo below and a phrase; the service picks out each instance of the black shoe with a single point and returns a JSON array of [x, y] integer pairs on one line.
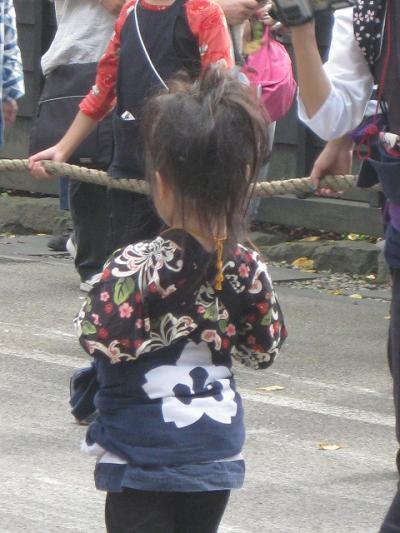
[[58, 243], [86, 421]]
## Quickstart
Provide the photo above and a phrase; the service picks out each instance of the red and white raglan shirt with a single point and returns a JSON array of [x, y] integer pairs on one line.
[[150, 45]]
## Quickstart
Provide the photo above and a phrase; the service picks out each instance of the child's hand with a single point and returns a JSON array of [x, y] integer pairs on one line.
[[113, 6], [335, 158], [36, 168], [10, 108]]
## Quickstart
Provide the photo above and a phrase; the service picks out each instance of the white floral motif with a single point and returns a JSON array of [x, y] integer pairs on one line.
[[170, 329], [258, 285], [369, 15], [147, 259], [236, 282], [78, 320], [190, 389], [112, 351], [209, 336], [213, 308], [205, 295]]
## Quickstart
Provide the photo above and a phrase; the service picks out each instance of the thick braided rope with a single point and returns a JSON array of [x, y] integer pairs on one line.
[[262, 189]]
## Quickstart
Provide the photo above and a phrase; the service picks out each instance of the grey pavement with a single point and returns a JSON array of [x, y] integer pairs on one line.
[[336, 390]]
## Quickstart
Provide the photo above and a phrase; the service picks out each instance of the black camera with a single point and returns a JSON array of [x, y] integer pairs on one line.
[[297, 12]]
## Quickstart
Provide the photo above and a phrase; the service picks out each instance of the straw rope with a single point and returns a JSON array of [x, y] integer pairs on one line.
[[262, 189]]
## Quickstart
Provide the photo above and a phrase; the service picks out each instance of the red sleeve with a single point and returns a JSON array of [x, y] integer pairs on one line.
[[102, 97], [207, 23]]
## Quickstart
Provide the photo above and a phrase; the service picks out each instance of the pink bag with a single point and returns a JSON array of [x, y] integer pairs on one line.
[[269, 70]]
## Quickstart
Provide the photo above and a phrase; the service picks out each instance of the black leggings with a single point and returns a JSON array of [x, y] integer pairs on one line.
[[136, 511]]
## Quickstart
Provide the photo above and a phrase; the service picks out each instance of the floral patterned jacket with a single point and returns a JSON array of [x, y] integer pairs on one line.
[[155, 293]]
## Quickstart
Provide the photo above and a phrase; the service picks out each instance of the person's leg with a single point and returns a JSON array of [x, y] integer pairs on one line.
[[58, 242], [391, 523], [90, 212], [394, 345], [133, 218], [134, 511], [63, 190], [200, 512]]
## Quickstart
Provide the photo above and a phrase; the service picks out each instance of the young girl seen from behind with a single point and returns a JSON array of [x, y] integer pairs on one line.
[[169, 315]]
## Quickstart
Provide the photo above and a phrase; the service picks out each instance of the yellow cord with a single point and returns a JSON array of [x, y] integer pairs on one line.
[[219, 279], [219, 248]]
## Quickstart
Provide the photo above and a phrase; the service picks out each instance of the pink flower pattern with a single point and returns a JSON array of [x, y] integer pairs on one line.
[[125, 310], [244, 271], [231, 330]]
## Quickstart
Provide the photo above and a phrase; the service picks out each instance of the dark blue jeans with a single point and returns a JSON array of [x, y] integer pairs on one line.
[[63, 190]]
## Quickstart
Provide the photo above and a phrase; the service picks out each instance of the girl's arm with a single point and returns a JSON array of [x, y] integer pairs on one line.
[[80, 128], [208, 25], [101, 98], [93, 108], [314, 85], [261, 331], [333, 97]]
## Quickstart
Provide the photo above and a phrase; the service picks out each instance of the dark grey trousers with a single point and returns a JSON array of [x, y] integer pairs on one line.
[[391, 524], [394, 345], [90, 213]]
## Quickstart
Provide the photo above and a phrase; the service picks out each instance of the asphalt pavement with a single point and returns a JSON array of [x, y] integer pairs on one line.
[[330, 388]]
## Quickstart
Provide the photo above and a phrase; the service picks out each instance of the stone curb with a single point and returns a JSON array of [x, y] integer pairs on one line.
[[349, 257], [25, 216]]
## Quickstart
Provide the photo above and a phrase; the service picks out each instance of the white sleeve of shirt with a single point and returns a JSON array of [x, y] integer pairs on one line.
[[351, 83]]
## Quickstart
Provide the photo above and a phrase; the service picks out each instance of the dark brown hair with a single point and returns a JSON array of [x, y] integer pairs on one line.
[[208, 139]]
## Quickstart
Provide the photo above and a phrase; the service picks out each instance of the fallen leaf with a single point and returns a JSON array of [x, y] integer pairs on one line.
[[304, 263], [353, 237], [311, 238], [329, 447], [356, 296], [370, 276], [271, 388], [387, 317], [42, 234], [337, 292]]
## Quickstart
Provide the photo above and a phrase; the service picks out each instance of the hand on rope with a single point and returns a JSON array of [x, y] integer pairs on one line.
[[36, 166], [335, 159], [263, 189]]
